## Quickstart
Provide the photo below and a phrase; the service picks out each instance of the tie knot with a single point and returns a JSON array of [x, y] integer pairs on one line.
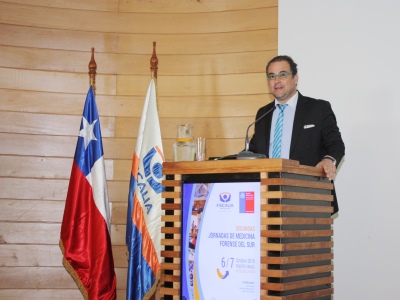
[[282, 106]]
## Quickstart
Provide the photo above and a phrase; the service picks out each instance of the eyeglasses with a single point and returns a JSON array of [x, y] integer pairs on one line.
[[280, 75]]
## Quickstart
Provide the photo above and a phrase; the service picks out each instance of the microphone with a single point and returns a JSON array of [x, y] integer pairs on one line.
[[246, 154]]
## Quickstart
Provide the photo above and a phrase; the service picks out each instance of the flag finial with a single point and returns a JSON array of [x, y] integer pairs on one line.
[[92, 71], [154, 62]]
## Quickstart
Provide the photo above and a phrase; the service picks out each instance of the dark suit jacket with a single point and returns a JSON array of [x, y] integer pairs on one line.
[[308, 145]]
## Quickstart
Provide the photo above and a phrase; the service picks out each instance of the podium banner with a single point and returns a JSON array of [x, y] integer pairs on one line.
[[220, 241]]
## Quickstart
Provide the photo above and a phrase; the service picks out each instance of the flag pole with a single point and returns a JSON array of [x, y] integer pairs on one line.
[[154, 68], [92, 72], [85, 239], [143, 226]]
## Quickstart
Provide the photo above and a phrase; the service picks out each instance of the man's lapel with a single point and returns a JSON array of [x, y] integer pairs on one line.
[[301, 110]]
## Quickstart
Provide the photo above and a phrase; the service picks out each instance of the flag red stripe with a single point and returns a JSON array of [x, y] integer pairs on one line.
[[86, 240]]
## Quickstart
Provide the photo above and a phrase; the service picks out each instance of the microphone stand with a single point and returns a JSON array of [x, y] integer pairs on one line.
[[246, 154]]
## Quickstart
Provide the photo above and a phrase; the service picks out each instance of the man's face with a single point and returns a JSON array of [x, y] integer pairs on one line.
[[282, 88]]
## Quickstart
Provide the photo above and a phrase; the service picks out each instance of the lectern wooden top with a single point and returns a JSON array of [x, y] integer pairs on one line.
[[240, 166]]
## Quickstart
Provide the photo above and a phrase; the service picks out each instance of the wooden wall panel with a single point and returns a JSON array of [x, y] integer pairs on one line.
[[228, 42], [47, 124], [214, 106], [215, 147], [99, 5], [48, 211], [119, 210], [125, 64], [35, 145], [60, 18], [30, 255], [212, 57], [47, 233], [131, 106], [49, 60], [37, 277], [41, 294], [118, 191], [30, 233], [69, 104], [50, 38], [207, 126], [45, 256], [59, 146], [31, 211], [215, 63], [122, 170], [207, 85], [56, 82], [193, 23], [48, 189], [51, 294], [191, 6], [42, 167], [42, 277], [28, 188]]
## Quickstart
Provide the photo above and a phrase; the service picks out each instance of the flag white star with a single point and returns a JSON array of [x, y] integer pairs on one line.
[[87, 131]]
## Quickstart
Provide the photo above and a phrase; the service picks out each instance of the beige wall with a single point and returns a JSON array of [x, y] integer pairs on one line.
[[212, 56]]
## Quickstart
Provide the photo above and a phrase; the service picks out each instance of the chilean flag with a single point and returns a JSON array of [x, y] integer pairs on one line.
[[85, 229], [143, 226]]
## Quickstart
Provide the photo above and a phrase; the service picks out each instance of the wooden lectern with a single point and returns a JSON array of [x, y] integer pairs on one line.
[[296, 225]]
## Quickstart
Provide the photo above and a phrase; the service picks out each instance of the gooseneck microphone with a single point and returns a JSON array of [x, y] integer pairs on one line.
[[246, 154]]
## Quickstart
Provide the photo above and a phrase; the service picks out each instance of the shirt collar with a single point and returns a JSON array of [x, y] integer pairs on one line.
[[292, 102]]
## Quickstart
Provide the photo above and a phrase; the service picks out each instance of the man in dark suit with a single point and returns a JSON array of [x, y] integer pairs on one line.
[[309, 132]]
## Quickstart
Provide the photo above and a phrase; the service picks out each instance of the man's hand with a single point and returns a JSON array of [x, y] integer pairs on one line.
[[329, 168]]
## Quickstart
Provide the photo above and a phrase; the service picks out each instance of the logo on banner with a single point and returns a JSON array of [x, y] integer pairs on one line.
[[225, 197], [151, 178], [225, 201], [153, 172], [222, 276], [246, 202]]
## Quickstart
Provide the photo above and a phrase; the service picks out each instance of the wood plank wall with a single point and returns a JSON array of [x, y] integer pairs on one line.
[[212, 56]]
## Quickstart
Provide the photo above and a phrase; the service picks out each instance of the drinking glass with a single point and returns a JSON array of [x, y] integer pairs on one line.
[[201, 149]]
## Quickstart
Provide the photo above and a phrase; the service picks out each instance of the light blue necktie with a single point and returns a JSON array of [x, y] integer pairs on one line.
[[276, 148]]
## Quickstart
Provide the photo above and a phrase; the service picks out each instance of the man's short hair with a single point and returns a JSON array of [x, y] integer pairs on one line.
[[292, 64]]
